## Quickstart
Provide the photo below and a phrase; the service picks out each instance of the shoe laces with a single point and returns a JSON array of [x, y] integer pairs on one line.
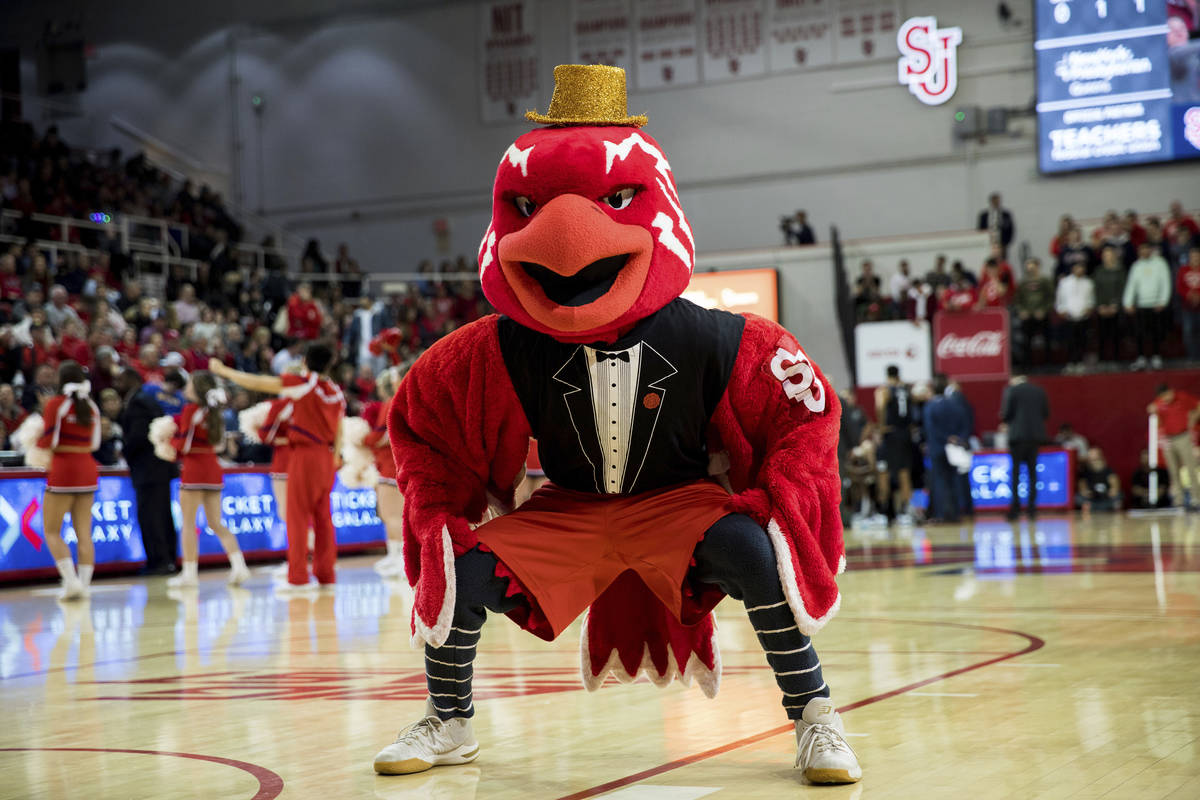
[[817, 739], [429, 729]]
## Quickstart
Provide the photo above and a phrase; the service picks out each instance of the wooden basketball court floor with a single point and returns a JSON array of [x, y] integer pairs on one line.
[[1059, 660]]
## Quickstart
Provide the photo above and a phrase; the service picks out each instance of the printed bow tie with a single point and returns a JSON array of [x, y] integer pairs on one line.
[[601, 355]]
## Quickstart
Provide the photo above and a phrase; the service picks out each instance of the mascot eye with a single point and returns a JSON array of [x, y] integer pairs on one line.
[[620, 199], [524, 205]]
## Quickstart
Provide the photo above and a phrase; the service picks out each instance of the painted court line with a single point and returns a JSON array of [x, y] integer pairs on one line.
[[1034, 643]]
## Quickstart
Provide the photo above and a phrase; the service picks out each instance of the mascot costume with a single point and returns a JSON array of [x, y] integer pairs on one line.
[[692, 453]]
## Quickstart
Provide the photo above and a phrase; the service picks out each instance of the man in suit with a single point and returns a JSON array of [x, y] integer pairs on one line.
[[944, 418], [962, 436], [997, 221], [149, 474], [1024, 409]]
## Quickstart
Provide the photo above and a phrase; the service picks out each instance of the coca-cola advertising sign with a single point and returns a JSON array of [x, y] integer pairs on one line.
[[973, 345]]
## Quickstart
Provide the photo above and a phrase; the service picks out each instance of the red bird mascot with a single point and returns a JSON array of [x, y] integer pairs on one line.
[[691, 452]]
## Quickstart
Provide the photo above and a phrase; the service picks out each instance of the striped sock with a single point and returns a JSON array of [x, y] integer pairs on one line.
[[790, 654], [448, 672]]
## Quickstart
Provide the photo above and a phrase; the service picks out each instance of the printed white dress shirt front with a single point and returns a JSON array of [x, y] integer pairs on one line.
[[614, 385]]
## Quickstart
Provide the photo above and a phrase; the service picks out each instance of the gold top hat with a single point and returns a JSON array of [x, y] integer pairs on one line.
[[587, 94]]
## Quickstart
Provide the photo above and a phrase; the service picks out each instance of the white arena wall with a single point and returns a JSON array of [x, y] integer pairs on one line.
[[372, 127]]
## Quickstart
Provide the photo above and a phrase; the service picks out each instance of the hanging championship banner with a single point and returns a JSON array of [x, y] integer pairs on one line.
[[799, 34], [602, 33], [664, 36], [865, 29], [733, 44], [509, 61]]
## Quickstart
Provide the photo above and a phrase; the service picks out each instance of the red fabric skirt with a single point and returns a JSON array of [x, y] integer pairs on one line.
[[565, 547], [200, 471], [279, 461], [385, 463], [72, 472]]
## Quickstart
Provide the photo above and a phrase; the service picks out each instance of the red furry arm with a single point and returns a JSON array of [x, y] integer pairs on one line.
[[457, 432], [782, 414]]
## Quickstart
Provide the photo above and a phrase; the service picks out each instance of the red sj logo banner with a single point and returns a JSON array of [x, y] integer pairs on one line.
[[972, 346]]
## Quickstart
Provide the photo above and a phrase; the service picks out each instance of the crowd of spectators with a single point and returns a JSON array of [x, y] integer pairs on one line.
[[1128, 290], [88, 304], [920, 440]]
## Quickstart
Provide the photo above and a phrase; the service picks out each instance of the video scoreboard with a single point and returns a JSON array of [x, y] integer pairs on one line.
[[1118, 82]]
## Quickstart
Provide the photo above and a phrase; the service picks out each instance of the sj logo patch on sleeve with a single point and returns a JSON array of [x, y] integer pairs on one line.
[[799, 381]]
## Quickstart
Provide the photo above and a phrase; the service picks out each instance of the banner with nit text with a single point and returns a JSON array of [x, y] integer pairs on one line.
[[972, 345], [508, 61], [602, 33], [664, 41], [865, 30], [799, 34], [732, 39]]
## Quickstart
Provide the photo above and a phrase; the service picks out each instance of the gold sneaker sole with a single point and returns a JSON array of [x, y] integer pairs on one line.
[[829, 776], [410, 766]]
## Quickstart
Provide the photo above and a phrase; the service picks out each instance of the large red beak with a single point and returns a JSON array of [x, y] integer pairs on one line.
[[573, 268]]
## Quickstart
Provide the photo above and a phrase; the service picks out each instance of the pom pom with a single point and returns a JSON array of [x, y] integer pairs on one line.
[[252, 419], [162, 431], [358, 462], [25, 439]]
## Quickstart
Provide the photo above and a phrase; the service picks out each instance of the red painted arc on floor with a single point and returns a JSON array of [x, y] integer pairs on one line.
[[269, 783], [1034, 643]]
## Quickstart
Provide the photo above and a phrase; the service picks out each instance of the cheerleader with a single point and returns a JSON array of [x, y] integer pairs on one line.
[[71, 425], [267, 423], [197, 435], [388, 503]]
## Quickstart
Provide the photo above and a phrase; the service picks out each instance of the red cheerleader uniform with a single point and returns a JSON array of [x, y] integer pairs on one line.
[[72, 468], [385, 463], [198, 466], [274, 431], [319, 408]]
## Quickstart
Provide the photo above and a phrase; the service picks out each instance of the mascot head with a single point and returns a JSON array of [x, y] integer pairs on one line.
[[587, 235]]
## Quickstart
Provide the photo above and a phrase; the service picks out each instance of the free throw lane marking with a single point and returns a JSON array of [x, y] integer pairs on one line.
[[647, 791]]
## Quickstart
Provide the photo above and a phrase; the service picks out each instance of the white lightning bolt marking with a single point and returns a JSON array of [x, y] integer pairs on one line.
[[485, 248], [683, 226], [669, 240], [621, 150], [519, 158], [11, 530]]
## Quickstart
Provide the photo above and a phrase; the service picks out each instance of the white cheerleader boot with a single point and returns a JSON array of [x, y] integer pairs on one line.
[[821, 749], [188, 577]]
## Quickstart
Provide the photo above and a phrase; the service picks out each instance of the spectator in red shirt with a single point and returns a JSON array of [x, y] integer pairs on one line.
[[1177, 413], [304, 318], [1176, 220], [960, 296], [147, 364], [1065, 223], [1136, 233], [1187, 285], [73, 344], [10, 281], [127, 348], [996, 253], [995, 290]]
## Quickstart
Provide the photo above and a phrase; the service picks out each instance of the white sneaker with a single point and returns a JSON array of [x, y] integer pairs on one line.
[[390, 567], [184, 580], [1138, 364], [430, 742], [821, 749], [1155, 362], [72, 590], [285, 589], [239, 575]]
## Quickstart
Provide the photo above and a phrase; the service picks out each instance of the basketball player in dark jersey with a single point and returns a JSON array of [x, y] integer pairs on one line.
[[893, 407]]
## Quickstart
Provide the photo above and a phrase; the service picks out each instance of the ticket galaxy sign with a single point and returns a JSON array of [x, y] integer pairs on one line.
[[248, 508]]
